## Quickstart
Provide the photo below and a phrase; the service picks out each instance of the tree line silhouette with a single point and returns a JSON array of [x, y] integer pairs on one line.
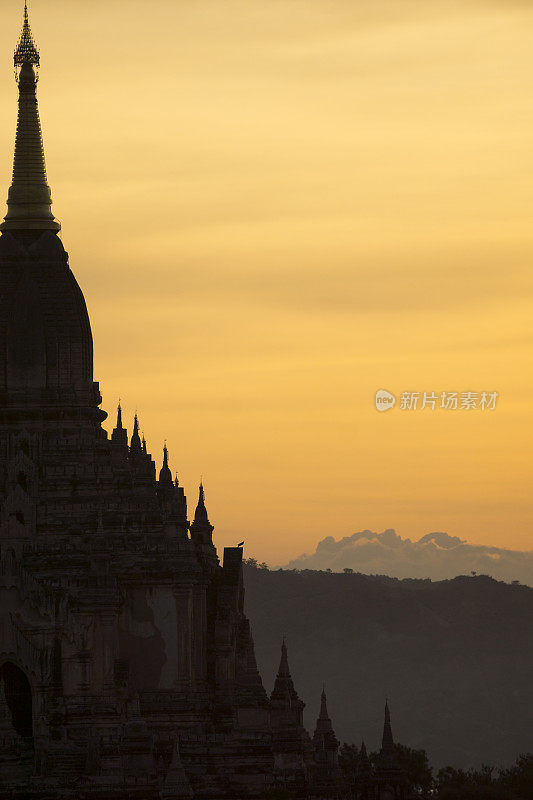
[[485, 783]]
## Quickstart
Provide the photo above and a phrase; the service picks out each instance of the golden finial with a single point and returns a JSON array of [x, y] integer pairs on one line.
[[26, 51]]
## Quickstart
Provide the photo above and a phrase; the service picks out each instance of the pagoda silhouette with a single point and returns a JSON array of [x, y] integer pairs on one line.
[[127, 665]]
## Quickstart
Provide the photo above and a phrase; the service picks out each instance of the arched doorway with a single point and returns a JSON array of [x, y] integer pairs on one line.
[[18, 697]]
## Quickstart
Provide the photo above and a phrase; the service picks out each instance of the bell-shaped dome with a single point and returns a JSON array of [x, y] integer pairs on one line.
[[45, 334]]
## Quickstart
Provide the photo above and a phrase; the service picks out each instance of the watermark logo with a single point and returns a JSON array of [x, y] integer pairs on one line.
[[384, 400], [446, 401]]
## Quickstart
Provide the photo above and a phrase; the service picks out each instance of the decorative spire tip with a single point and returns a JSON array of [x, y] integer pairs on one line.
[[26, 52]]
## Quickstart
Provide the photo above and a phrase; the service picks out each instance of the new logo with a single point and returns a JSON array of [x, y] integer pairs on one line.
[[384, 400]]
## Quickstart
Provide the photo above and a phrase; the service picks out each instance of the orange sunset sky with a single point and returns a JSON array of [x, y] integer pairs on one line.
[[275, 208]]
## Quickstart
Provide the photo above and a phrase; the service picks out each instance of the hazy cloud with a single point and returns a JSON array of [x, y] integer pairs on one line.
[[436, 555]]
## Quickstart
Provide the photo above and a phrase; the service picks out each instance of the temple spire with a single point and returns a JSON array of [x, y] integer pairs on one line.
[[284, 683], [200, 515], [364, 767], [323, 705], [120, 434], [26, 51], [326, 744], [388, 770], [29, 199], [363, 754], [202, 533], [284, 670], [324, 727], [135, 444], [165, 475], [387, 745], [284, 696]]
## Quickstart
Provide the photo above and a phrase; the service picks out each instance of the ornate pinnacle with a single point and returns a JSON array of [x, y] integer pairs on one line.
[[29, 200], [387, 745], [201, 528], [165, 475], [284, 661], [26, 51], [200, 515], [135, 443], [323, 705]]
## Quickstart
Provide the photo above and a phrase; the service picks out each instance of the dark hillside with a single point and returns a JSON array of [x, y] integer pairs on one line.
[[454, 657]]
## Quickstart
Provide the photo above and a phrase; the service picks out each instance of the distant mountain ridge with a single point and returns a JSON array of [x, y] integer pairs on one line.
[[454, 657], [436, 555]]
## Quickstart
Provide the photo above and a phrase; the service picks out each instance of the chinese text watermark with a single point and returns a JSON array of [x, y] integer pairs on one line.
[[446, 401]]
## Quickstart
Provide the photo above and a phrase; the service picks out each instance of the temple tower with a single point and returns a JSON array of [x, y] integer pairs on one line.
[[364, 776], [202, 533], [127, 664], [30, 199], [390, 779], [46, 350], [326, 748], [124, 648], [293, 749]]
